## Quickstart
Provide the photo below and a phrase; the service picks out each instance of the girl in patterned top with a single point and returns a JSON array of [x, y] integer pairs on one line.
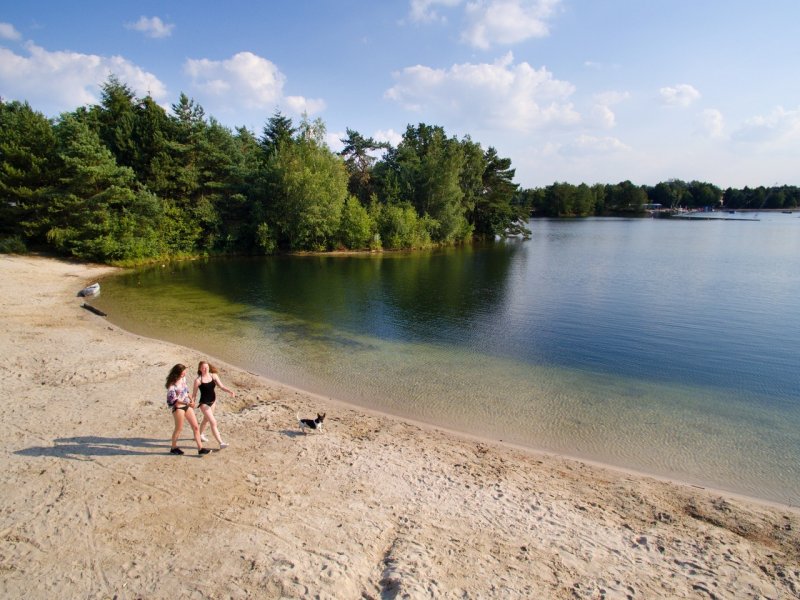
[[182, 408]]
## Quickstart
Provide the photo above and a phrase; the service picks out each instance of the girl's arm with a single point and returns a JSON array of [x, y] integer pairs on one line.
[[195, 388], [222, 387], [172, 396]]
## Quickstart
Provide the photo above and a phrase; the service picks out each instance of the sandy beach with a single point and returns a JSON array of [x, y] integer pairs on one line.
[[92, 505]]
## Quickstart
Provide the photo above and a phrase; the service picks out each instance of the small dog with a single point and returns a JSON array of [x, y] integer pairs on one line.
[[315, 424]]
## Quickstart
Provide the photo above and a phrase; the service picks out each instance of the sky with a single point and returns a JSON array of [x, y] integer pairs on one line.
[[577, 91]]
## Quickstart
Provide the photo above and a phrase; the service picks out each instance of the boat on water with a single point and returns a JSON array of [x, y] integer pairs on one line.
[[90, 290], [704, 215]]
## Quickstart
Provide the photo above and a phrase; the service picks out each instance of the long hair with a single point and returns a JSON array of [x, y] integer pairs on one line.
[[211, 368], [174, 375]]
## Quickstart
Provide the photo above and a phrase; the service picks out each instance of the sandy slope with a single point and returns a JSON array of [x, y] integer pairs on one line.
[[92, 506]]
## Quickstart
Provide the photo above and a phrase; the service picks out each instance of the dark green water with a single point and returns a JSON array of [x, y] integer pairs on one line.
[[666, 347]]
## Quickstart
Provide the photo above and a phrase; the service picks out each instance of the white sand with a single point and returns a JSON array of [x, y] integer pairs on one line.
[[93, 506]]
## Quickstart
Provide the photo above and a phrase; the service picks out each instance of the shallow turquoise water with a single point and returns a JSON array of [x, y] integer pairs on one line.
[[667, 347]]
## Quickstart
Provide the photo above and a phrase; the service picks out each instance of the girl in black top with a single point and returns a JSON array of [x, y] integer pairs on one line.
[[206, 382]]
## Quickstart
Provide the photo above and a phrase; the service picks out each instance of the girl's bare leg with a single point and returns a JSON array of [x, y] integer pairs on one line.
[[177, 416], [208, 418], [190, 416]]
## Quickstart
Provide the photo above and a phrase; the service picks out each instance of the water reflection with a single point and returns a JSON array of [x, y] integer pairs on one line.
[[432, 296], [600, 338]]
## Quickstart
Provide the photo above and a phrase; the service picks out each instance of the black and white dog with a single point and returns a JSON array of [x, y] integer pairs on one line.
[[315, 424]]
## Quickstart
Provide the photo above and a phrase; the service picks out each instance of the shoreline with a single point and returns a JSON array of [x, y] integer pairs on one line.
[[699, 479], [530, 450], [377, 506]]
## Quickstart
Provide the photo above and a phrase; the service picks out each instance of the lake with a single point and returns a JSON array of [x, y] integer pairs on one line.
[[660, 345]]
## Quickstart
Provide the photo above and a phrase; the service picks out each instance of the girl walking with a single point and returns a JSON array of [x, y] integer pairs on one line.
[[206, 383], [182, 408]]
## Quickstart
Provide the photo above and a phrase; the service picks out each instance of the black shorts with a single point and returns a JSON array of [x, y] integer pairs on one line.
[[184, 407]]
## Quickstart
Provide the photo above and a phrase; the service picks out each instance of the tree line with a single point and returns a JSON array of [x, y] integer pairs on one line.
[[625, 198], [125, 182]]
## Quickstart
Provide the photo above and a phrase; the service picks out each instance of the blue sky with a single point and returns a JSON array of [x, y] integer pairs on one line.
[[582, 91]]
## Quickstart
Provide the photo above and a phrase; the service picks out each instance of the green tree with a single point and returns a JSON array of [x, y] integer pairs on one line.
[[94, 212], [253, 222], [358, 153], [704, 194], [153, 132], [599, 193], [626, 198], [473, 172], [189, 123], [733, 198], [401, 228], [356, 229], [529, 201], [278, 131], [237, 188], [494, 213], [277, 137], [672, 193], [662, 194], [309, 193], [427, 168], [27, 155], [219, 206], [584, 201], [312, 131], [560, 199], [117, 120]]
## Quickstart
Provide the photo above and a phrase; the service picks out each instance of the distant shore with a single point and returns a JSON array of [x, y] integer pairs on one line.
[[94, 506]]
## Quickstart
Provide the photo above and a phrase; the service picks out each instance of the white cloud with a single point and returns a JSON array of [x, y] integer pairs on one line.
[[780, 126], [246, 81], [611, 97], [594, 65], [492, 22], [152, 27], [422, 11], [59, 81], [680, 95], [334, 140], [388, 135], [500, 95], [9, 32], [601, 111], [712, 122], [604, 116], [585, 145], [507, 21], [300, 105]]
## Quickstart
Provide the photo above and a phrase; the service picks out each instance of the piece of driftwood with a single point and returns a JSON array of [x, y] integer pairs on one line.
[[91, 308]]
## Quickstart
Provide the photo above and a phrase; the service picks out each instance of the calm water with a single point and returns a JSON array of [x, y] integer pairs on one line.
[[666, 346]]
